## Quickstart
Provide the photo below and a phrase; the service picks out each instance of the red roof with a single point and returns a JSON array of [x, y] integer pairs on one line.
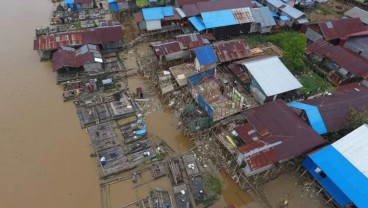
[[232, 50], [277, 124], [96, 36], [335, 108], [69, 57], [347, 59], [138, 17], [335, 29], [162, 48]]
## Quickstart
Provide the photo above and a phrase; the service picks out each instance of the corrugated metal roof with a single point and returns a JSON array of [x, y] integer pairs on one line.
[[83, 1], [205, 55], [340, 28], [218, 18], [292, 12], [209, 6], [138, 17], [197, 23], [231, 50], [239, 73], [242, 15], [314, 116], [180, 12], [343, 181], [75, 58], [358, 12], [168, 11], [275, 3], [185, 2], [347, 59], [191, 10], [275, 122], [194, 40], [263, 16], [162, 48], [336, 108], [272, 75], [153, 13], [354, 147]]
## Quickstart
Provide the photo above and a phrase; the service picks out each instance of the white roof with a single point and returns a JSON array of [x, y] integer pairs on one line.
[[272, 75], [181, 12], [354, 147], [292, 12]]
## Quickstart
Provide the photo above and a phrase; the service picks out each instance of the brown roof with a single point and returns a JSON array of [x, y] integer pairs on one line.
[[347, 59], [138, 17], [277, 124], [69, 57], [239, 72], [232, 50], [335, 29], [184, 2], [162, 48], [191, 10], [194, 40], [96, 36], [335, 108], [209, 6], [83, 1]]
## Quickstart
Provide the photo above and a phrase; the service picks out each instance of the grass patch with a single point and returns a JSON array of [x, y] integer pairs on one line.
[[314, 84], [213, 183], [281, 39]]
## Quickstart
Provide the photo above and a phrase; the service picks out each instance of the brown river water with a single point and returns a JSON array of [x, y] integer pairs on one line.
[[44, 155]]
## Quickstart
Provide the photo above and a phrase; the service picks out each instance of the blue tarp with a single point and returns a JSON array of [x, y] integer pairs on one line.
[[197, 23], [68, 1], [218, 18], [141, 131], [274, 14], [154, 13], [195, 79], [205, 55], [114, 6], [343, 181], [284, 18], [167, 11], [314, 116], [111, 1], [152, 1]]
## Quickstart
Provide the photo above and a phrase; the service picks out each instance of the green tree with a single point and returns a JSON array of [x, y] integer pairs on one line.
[[357, 118], [294, 53]]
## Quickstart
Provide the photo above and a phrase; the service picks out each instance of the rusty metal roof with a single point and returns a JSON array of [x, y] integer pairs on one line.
[[96, 36], [194, 40], [335, 108], [162, 48], [334, 29], [83, 1], [232, 50], [138, 17], [185, 2], [70, 57], [239, 72], [347, 59], [279, 126]]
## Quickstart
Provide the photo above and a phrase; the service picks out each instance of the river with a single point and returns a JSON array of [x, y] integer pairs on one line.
[[44, 155]]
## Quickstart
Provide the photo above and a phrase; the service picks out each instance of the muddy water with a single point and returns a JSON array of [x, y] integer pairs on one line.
[[44, 155]]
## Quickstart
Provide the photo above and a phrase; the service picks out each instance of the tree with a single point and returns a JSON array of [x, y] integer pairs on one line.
[[294, 53], [356, 119]]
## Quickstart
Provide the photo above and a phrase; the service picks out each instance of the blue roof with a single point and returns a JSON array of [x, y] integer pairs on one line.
[[197, 23], [152, 1], [68, 1], [111, 1], [284, 18], [205, 55], [344, 182], [218, 18], [314, 116], [114, 6], [167, 11], [274, 14], [154, 13]]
